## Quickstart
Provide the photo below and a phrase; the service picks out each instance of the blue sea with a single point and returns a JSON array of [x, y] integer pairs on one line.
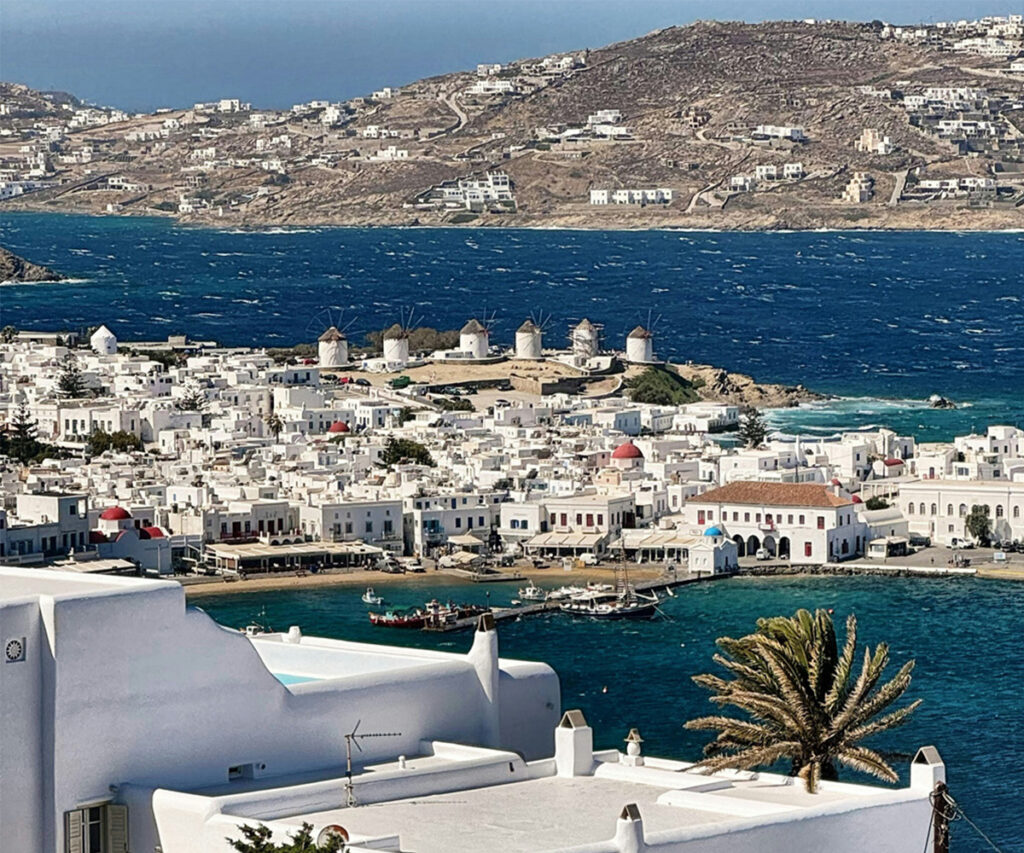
[[963, 633], [881, 319]]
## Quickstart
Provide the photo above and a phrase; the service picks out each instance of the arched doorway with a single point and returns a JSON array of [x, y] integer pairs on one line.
[[741, 546], [769, 545], [753, 543], [784, 548]]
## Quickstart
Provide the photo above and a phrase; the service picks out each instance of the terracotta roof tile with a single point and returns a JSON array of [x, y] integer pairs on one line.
[[759, 493]]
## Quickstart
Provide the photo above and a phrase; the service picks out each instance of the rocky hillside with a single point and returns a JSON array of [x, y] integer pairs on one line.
[[739, 126], [16, 269]]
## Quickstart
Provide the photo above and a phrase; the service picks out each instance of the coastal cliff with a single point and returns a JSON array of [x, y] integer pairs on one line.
[[14, 269]]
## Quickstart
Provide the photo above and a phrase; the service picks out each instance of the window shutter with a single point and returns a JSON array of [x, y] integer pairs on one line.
[[74, 841], [117, 829]]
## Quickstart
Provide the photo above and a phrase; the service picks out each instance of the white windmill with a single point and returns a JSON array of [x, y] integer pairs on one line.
[[475, 337], [640, 342], [585, 338], [396, 342], [530, 337], [332, 344]]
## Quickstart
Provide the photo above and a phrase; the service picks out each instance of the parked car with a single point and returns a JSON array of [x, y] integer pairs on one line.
[[762, 554], [360, 381], [958, 543], [589, 558], [502, 404]]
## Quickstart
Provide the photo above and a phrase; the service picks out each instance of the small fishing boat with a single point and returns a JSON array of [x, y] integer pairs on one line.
[[532, 592], [412, 617], [370, 597], [437, 615], [564, 592]]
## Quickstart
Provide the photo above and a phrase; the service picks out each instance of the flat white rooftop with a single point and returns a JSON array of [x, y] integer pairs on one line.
[[548, 813]]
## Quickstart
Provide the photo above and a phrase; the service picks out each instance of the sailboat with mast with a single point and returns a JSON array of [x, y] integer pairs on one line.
[[621, 602]]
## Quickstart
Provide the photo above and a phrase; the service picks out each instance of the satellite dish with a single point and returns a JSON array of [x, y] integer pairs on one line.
[[329, 832]]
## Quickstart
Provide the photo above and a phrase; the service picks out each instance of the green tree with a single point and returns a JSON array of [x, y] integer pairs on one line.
[[406, 415], [257, 839], [753, 429], [405, 449], [877, 502], [8, 334], [100, 441], [22, 441], [979, 524], [804, 701], [70, 383]]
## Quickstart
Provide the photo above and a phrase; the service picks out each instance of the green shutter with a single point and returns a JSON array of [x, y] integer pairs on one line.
[[117, 829], [74, 839]]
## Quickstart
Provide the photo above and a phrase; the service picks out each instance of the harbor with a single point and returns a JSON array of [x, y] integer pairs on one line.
[[526, 609]]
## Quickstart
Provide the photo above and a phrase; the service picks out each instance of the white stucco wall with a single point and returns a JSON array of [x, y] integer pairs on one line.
[[141, 690]]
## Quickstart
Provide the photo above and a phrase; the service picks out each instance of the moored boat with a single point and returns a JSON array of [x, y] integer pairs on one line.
[[412, 617], [532, 592], [370, 597]]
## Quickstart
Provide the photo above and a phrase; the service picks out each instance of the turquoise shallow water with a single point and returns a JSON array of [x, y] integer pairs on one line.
[[863, 315], [964, 634]]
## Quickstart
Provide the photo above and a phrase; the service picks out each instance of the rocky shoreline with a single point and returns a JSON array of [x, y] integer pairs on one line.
[[718, 385], [16, 270]]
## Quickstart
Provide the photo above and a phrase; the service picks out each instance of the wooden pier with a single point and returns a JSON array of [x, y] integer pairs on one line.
[[521, 611]]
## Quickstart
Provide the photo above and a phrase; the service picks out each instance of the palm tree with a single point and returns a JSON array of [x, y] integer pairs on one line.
[[274, 423], [804, 699]]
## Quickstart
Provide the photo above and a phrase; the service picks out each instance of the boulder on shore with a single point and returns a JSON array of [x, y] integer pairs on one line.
[[15, 269]]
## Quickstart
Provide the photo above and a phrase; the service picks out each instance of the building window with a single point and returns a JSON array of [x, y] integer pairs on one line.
[[458, 522], [949, 509], [348, 526], [590, 519], [565, 520], [600, 519], [99, 829], [821, 522], [388, 526], [808, 549], [369, 527], [963, 510], [999, 510], [921, 507], [746, 516], [910, 509], [757, 518], [935, 509], [789, 518], [579, 518], [701, 518], [1016, 513], [803, 520]]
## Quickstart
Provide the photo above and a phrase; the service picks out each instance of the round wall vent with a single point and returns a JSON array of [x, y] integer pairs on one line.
[[14, 650]]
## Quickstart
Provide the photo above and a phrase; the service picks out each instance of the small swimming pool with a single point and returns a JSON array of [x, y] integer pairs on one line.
[[288, 678]]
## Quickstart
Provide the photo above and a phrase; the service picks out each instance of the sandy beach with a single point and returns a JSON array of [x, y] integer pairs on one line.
[[554, 576]]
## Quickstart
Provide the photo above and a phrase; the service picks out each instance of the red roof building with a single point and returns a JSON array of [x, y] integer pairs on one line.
[[115, 513]]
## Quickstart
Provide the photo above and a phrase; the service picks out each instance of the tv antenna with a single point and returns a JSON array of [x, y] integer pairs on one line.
[[352, 739]]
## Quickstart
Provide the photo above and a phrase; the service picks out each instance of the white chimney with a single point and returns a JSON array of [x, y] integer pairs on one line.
[[574, 745]]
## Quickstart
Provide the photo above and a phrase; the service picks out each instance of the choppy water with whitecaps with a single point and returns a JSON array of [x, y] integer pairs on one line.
[[882, 319]]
